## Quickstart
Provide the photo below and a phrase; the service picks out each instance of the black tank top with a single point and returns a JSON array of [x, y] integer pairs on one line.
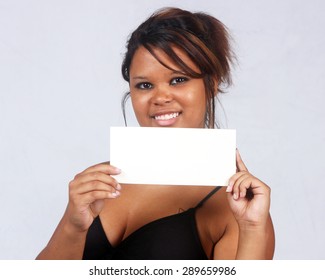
[[173, 237]]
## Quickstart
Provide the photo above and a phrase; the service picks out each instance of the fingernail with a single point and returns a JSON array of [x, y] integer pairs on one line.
[[116, 194], [235, 196], [118, 187], [118, 170], [228, 189]]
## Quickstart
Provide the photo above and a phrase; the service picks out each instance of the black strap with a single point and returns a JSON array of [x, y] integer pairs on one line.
[[208, 196]]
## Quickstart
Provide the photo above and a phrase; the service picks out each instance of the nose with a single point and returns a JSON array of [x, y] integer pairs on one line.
[[161, 96]]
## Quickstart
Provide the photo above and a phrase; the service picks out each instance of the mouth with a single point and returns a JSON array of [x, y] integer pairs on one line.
[[166, 116], [166, 119]]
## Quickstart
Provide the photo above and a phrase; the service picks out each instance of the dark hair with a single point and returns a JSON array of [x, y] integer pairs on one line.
[[202, 37]]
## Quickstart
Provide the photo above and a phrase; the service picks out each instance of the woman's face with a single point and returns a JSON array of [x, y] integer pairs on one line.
[[166, 98]]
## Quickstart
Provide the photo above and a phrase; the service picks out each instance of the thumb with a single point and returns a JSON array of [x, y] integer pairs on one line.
[[96, 207], [239, 162]]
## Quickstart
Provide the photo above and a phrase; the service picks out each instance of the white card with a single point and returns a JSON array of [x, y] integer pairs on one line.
[[173, 156]]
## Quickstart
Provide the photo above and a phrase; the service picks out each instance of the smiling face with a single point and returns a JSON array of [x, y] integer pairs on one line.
[[162, 97]]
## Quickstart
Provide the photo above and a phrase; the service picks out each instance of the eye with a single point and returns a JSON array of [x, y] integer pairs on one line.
[[143, 85], [178, 80]]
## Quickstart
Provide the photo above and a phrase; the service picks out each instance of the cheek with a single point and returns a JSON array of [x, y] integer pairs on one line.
[[202, 100], [139, 104], [197, 100]]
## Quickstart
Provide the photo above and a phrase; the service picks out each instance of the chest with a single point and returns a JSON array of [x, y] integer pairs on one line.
[[145, 215]]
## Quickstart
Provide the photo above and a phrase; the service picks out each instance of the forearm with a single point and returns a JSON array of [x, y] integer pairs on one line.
[[252, 245], [256, 243], [65, 244]]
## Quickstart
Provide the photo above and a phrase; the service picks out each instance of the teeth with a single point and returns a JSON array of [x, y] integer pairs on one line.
[[167, 116]]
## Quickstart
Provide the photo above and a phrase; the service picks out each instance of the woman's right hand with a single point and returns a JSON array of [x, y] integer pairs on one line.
[[87, 192]]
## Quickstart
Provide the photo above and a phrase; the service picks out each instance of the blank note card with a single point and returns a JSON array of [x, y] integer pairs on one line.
[[173, 156]]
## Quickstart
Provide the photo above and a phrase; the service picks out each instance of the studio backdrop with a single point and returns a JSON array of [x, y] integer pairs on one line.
[[61, 89]]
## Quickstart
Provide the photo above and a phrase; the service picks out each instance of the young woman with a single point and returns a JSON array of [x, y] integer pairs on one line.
[[176, 63]]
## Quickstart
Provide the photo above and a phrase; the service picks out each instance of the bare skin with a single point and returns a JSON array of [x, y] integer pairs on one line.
[[93, 192], [233, 224]]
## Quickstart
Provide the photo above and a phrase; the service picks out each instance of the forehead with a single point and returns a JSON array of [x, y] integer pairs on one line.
[[158, 57]]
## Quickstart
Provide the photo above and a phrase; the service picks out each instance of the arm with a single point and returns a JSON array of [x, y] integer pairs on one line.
[[87, 193], [249, 233], [244, 243], [66, 243], [256, 243]]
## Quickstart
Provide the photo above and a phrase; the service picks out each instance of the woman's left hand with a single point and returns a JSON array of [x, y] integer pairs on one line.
[[249, 198]]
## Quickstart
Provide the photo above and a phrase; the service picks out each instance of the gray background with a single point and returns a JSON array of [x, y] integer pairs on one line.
[[60, 91]]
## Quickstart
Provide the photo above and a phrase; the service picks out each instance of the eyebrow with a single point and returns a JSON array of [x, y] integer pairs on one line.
[[139, 78], [145, 78]]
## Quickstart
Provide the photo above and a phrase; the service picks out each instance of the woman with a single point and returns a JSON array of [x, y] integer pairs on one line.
[[176, 63]]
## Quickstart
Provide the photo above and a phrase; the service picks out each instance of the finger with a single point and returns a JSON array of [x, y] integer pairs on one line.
[[239, 162], [233, 179], [252, 186], [102, 167], [92, 187], [91, 197], [96, 176], [237, 190], [244, 185], [259, 187]]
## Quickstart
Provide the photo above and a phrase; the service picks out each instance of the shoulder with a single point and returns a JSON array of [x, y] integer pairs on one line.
[[218, 207]]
